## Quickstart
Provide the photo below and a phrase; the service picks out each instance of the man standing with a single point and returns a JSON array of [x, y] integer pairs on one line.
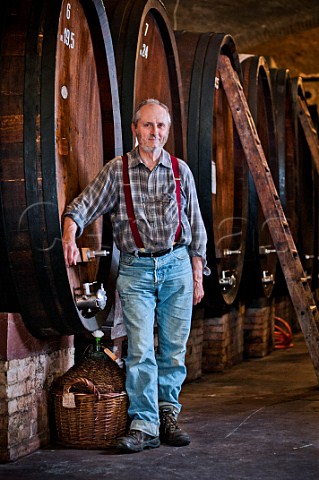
[[158, 228]]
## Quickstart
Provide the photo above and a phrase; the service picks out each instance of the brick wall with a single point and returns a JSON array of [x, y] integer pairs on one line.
[[25, 383]]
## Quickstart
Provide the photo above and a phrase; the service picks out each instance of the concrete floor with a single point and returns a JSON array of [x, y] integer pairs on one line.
[[258, 421]]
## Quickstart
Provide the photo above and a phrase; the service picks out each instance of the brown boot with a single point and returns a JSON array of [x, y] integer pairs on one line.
[[170, 432]]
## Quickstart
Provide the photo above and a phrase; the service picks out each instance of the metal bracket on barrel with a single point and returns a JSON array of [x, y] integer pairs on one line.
[[88, 255]]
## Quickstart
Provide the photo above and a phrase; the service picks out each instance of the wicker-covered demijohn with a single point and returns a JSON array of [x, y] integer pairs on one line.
[[90, 404]]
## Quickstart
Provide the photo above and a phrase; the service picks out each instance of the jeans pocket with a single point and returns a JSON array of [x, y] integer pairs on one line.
[[181, 253], [127, 259]]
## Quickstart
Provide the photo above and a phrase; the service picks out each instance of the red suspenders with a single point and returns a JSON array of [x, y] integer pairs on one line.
[[129, 201], [178, 195], [129, 204]]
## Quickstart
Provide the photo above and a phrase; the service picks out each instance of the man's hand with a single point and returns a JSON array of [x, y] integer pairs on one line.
[[70, 249], [197, 265]]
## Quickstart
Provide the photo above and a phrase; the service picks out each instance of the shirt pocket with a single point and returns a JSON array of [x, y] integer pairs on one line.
[[161, 210]]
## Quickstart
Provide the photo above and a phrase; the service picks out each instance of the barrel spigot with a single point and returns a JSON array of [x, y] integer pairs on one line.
[[308, 256], [267, 278], [90, 301], [227, 280], [266, 250], [228, 253]]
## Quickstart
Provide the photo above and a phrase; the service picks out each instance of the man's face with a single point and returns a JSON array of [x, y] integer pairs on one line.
[[152, 128]]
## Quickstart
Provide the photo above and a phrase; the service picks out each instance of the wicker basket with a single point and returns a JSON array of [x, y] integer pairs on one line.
[[90, 404]]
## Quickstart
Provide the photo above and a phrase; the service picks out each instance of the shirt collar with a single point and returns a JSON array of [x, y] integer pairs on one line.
[[165, 158]]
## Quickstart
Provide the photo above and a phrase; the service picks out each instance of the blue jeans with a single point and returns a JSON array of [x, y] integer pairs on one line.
[[158, 289]]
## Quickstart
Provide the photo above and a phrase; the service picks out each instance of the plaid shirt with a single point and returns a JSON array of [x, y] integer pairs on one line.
[[154, 201]]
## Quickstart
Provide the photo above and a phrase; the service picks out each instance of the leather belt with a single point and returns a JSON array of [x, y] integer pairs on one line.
[[160, 253]]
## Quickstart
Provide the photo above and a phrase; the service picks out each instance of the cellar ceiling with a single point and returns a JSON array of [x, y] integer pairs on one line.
[[285, 32]]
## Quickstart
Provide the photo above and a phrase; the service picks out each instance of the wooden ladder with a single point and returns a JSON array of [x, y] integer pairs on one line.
[[298, 287]]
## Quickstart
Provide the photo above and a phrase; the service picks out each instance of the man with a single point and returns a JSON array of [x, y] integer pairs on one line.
[[158, 228]]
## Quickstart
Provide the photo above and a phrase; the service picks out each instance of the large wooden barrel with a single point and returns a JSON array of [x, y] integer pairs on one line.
[[306, 192], [215, 156], [313, 110], [147, 64], [286, 157], [286, 145], [315, 282], [261, 257], [315, 276], [60, 121]]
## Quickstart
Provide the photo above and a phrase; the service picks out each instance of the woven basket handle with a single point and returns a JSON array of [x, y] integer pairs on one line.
[[85, 382]]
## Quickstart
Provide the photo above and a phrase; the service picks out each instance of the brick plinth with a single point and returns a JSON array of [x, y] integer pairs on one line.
[[259, 338], [223, 340], [28, 367], [194, 350], [285, 310]]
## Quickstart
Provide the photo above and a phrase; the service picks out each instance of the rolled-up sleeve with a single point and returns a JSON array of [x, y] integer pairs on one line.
[[98, 198], [197, 246]]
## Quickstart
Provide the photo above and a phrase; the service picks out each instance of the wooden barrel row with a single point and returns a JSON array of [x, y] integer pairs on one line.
[[214, 152], [72, 74]]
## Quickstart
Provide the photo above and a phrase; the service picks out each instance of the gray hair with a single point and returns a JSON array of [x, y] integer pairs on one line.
[[149, 101]]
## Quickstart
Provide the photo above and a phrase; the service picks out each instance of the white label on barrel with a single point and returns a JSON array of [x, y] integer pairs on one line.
[[68, 37], [144, 51], [213, 178], [64, 92], [216, 83], [68, 11], [68, 400]]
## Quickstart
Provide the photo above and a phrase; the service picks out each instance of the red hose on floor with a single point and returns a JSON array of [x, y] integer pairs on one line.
[[283, 334]]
